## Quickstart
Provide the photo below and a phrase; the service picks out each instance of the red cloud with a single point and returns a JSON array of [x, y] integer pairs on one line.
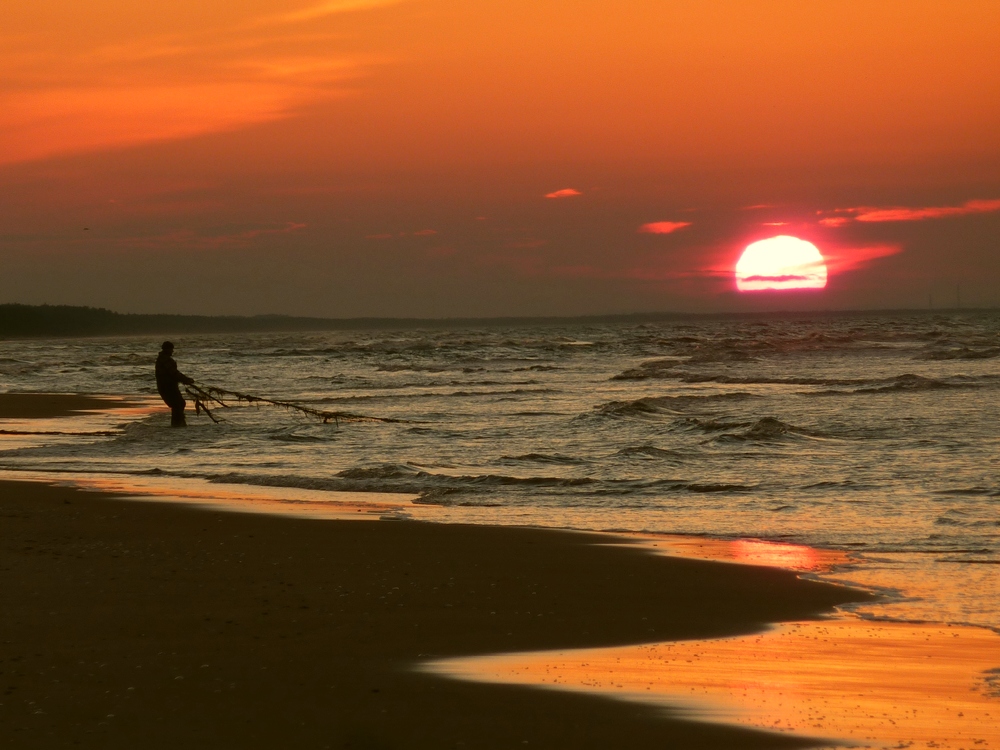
[[834, 221], [663, 227], [871, 214], [564, 193], [843, 259], [931, 212], [425, 233]]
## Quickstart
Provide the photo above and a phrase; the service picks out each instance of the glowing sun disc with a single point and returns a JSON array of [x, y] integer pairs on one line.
[[780, 262]]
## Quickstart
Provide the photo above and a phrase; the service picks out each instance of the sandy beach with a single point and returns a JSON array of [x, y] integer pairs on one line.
[[163, 623], [146, 625]]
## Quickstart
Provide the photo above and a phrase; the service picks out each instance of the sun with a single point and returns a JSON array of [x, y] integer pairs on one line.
[[778, 263]]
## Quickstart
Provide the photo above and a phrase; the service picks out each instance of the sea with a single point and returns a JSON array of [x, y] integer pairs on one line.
[[870, 436]]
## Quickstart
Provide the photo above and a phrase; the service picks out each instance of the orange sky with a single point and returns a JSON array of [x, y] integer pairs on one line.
[[393, 157]]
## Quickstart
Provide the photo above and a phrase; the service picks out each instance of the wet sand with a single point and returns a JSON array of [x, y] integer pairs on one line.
[[53, 405], [150, 625], [868, 684]]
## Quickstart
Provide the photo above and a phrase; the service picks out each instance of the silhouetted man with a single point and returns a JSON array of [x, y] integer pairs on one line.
[[167, 379]]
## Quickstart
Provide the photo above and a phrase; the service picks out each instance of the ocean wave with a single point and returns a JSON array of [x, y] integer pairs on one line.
[[669, 370], [948, 521], [638, 408], [649, 451], [714, 487], [666, 404], [540, 458], [909, 382], [722, 355], [905, 381], [762, 340], [383, 471], [970, 491], [298, 437], [404, 479], [424, 394], [763, 429], [412, 367], [446, 489], [505, 392], [837, 485], [963, 352], [700, 399]]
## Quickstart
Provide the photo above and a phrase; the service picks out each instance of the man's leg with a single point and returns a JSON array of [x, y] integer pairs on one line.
[[177, 412]]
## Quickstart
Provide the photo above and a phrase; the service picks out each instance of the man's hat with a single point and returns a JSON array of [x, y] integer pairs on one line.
[[167, 345]]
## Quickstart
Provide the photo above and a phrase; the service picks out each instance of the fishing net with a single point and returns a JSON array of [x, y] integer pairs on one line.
[[208, 398]]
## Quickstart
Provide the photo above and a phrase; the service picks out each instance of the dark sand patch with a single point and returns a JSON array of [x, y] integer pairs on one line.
[[129, 625], [52, 405]]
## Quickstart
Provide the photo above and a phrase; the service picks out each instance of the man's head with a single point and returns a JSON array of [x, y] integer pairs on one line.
[[168, 347]]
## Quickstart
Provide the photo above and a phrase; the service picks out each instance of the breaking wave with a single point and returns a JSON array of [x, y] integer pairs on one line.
[[444, 489], [764, 429]]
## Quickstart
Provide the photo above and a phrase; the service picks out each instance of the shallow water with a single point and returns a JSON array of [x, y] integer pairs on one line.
[[874, 434]]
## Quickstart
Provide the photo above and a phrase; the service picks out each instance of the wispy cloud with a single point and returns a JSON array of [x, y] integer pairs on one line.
[[835, 221], [930, 212], [663, 227], [109, 92], [839, 260], [329, 8], [874, 214], [564, 193]]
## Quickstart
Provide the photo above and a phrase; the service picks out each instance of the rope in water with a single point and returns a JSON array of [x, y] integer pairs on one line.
[[203, 395]]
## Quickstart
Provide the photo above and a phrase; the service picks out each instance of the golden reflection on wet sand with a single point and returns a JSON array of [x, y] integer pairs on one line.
[[858, 683], [34, 431], [796, 557], [281, 501]]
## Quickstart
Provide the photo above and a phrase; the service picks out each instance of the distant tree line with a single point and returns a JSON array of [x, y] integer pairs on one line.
[[26, 321], [58, 321]]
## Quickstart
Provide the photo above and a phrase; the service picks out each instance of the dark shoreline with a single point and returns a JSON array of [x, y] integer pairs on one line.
[[63, 321], [143, 624], [54, 405]]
